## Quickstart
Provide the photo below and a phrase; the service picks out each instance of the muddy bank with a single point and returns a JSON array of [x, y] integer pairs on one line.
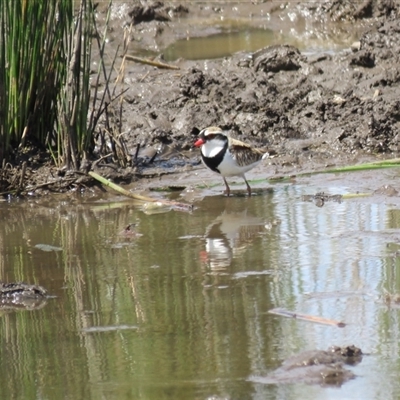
[[312, 109], [318, 106]]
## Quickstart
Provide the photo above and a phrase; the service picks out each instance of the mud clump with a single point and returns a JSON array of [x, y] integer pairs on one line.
[[339, 10], [155, 11], [278, 58]]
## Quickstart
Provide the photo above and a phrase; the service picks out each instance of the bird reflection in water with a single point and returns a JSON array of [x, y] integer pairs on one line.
[[228, 236]]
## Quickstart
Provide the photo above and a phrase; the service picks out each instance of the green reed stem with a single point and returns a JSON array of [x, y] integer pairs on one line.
[[383, 164], [45, 92], [32, 69]]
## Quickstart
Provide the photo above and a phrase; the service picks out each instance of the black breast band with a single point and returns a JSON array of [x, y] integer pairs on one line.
[[213, 162]]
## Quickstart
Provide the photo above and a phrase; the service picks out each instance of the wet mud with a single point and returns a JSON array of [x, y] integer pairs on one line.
[[311, 109]]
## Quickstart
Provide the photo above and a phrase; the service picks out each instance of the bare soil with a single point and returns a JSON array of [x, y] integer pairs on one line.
[[312, 110]]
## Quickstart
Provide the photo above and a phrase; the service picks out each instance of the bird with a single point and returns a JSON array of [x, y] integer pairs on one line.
[[227, 156]]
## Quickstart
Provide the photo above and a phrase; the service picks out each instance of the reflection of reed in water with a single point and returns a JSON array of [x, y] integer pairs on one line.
[[228, 236]]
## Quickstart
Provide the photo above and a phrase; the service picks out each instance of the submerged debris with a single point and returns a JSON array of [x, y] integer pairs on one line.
[[391, 299], [21, 295], [311, 318], [316, 367], [351, 354], [320, 198], [21, 290], [97, 329], [47, 247], [130, 231], [387, 190]]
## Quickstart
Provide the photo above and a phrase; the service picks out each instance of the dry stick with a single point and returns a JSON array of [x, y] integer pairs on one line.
[[144, 76], [23, 170], [137, 152], [311, 318], [153, 157], [101, 159], [119, 189], [150, 62], [23, 138]]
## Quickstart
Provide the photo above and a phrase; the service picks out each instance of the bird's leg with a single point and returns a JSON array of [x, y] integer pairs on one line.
[[228, 190], [248, 186]]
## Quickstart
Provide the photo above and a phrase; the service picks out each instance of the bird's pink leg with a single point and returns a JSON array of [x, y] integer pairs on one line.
[[228, 190], [248, 186]]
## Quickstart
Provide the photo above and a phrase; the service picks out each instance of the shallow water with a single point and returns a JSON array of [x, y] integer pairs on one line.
[[210, 38], [214, 30], [249, 39], [220, 45], [180, 310]]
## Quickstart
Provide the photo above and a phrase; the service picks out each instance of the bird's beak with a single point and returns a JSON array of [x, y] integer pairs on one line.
[[199, 142]]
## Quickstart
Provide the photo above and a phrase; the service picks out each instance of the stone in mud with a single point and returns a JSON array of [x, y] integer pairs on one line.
[[277, 58]]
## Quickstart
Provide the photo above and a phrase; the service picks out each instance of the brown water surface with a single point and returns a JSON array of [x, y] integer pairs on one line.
[[180, 309]]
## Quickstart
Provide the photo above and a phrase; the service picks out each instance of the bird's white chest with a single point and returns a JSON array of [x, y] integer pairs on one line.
[[230, 167], [212, 148], [225, 161]]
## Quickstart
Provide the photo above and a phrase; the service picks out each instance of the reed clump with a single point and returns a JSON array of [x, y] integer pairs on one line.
[[45, 78]]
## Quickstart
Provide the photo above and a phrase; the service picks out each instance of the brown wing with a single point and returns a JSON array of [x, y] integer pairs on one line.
[[244, 153]]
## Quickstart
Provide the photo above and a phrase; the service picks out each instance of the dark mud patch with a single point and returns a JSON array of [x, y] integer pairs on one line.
[[312, 109]]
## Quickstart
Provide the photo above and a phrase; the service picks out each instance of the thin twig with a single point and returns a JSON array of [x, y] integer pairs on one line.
[[150, 62], [23, 171], [174, 204], [311, 318], [102, 158], [137, 152]]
